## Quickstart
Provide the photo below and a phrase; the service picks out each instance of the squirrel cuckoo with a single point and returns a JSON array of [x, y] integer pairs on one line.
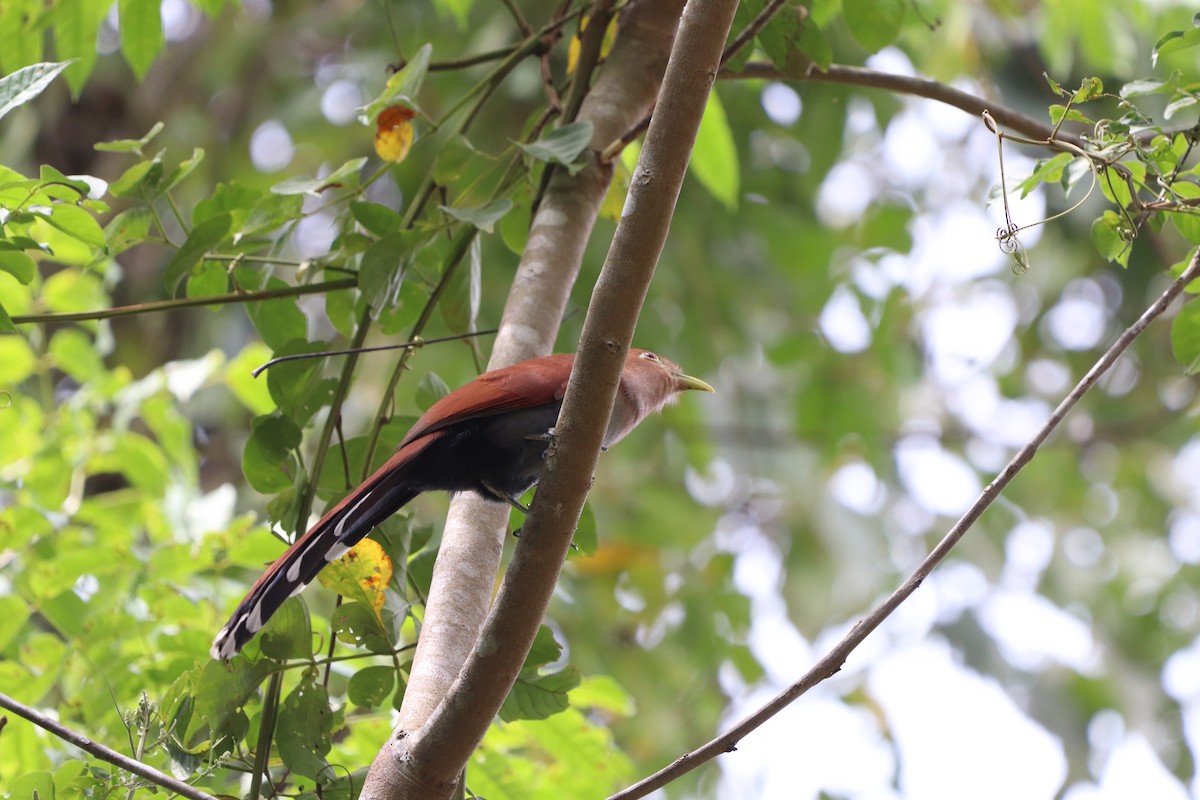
[[487, 437]]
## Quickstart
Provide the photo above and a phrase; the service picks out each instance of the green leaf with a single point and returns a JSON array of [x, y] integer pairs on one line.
[[1188, 225], [18, 264], [514, 226], [54, 181], [338, 178], [1112, 237], [540, 696], [269, 459], [221, 691], [561, 145], [544, 650], [370, 686], [378, 220], [141, 33], [482, 217], [874, 23], [21, 35], [127, 229], [210, 279], [715, 157], [131, 145], [1173, 42], [586, 536], [288, 634], [401, 88], [13, 613], [76, 23], [142, 177], [1185, 337], [296, 386], [250, 391], [1149, 86], [75, 354], [794, 42], [1089, 89], [17, 361], [204, 237], [32, 784], [75, 221], [382, 268], [72, 290], [459, 305], [430, 389], [143, 463], [6, 323], [185, 168], [304, 728], [27, 83], [452, 159], [358, 625], [1048, 170]]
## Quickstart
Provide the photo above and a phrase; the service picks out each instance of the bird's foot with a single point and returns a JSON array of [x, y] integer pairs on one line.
[[505, 497]]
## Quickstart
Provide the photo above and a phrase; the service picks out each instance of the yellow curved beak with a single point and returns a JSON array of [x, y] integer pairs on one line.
[[684, 382]]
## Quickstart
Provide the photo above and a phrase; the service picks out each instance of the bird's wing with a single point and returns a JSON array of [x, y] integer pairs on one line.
[[530, 384]]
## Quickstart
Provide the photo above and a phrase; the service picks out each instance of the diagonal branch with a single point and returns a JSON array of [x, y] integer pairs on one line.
[[100, 751], [832, 662]]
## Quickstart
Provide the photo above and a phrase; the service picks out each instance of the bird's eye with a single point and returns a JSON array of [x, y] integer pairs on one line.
[[650, 356]]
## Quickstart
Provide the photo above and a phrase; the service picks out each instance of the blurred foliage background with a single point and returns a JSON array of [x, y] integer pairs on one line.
[[832, 269]]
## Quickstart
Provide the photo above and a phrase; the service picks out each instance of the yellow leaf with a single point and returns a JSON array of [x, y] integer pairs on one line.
[[362, 574], [394, 133], [610, 34]]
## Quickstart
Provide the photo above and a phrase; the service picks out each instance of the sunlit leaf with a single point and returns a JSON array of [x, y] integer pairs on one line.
[[874, 23], [362, 574], [1173, 42], [17, 264], [141, 33], [401, 87], [715, 157], [21, 86]]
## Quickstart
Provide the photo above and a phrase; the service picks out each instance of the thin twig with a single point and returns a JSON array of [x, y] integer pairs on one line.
[[732, 49], [910, 85], [186, 302], [522, 24], [591, 44], [832, 662], [756, 25], [266, 732], [100, 751], [418, 342]]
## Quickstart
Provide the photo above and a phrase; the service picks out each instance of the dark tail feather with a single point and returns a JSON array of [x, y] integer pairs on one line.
[[339, 530]]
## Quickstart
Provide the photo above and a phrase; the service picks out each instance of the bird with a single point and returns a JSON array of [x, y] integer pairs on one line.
[[489, 437]]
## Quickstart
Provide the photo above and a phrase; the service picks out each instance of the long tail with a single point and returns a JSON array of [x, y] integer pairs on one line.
[[376, 499]]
